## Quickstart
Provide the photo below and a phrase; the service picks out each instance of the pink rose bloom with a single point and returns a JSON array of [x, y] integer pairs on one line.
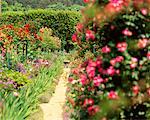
[[148, 55], [91, 74], [127, 32], [90, 35], [119, 58], [106, 49], [142, 43], [112, 95], [83, 79], [135, 89], [92, 63], [97, 81], [122, 46], [118, 72], [133, 63], [74, 37], [111, 71], [144, 11], [89, 69], [113, 62]]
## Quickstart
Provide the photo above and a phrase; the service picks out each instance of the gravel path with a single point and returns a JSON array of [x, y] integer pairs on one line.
[[54, 109]]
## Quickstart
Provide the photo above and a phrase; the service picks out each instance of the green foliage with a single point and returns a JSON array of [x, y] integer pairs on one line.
[[61, 22]]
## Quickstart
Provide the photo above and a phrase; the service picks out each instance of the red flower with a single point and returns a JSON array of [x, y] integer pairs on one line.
[[122, 46], [148, 55], [112, 95], [90, 35], [74, 37], [92, 110], [106, 49], [142, 43], [70, 79], [126, 32], [135, 89]]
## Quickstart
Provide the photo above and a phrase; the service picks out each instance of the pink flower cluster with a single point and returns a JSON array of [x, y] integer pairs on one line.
[[127, 32], [122, 46], [118, 59], [112, 95]]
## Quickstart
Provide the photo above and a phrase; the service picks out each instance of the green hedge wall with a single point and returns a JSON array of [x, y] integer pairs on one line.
[[61, 22]]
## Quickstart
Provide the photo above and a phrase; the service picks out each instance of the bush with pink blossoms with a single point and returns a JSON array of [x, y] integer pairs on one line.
[[115, 82]]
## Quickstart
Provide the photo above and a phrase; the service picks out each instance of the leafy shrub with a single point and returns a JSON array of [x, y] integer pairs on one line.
[[49, 41], [115, 72], [61, 22]]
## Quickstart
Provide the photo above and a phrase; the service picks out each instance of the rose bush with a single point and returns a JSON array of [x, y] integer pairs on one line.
[[115, 73]]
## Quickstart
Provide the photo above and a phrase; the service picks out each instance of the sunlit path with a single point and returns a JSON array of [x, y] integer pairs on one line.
[[54, 109]]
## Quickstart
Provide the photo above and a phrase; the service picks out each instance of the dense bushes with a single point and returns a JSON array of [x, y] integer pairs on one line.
[[115, 72], [61, 22]]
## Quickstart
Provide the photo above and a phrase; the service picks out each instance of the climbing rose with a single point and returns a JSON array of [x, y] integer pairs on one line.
[[142, 43], [119, 58], [133, 63], [90, 35], [122, 46], [144, 11], [135, 89], [112, 95], [148, 55], [74, 37], [106, 49]]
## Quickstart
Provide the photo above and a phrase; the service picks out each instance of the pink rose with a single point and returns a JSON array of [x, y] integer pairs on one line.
[[135, 89], [112, 95], [113, 62], [144, 11], [111, 71], [127, 32], [133, 62], [106, 49], [122, 46], [74, 37], [98, 80], [142, 43], [90, 35]]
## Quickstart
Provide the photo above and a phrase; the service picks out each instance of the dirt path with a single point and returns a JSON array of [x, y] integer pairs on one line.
[[54, 109]]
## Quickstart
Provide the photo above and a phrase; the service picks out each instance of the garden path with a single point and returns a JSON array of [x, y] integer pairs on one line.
[[54, 109]]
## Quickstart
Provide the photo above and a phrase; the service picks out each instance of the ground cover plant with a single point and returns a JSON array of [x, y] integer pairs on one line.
[[110, 77]]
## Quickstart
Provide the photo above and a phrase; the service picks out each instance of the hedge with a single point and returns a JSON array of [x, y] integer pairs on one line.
[[61, 22]]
